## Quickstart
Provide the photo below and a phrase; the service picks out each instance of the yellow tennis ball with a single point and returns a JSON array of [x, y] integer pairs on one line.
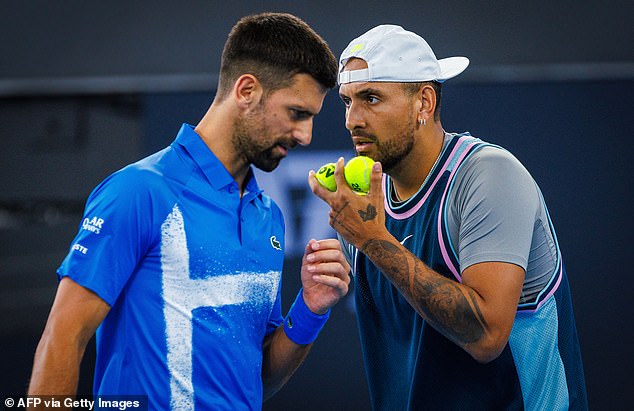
[[357, 173], [326, 176]]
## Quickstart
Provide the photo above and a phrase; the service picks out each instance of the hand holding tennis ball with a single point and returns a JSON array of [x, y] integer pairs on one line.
[[357, 173]]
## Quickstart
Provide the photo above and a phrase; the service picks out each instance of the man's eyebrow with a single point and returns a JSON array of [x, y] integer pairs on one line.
[[303, 111], [364, 92]]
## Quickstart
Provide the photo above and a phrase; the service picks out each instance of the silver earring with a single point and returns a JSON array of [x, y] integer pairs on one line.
[[420, 122], [424, 122]]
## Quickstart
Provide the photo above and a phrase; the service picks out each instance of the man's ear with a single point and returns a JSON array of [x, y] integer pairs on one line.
[[247, 91], [427, 96]]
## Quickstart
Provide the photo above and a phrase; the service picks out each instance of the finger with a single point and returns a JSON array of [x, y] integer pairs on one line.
[[323, 256], [326, 256], [332, 269], [376, 180], [327, 250], [317, 189], [334, 282], [309, 248], [326, 244], [340, 179]]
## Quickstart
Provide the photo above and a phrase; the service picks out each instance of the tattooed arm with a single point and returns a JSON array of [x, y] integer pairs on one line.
[[476, 314]]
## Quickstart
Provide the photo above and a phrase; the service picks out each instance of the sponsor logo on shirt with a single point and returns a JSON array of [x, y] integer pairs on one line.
[[80, 248], [406, 238], [275, 244], [93, 225]]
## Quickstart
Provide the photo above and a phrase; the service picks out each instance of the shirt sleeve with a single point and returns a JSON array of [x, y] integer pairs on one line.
[[492, 209], [113, 236]]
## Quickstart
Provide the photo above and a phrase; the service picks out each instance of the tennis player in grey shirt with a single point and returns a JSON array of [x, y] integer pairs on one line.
[[461, 293]]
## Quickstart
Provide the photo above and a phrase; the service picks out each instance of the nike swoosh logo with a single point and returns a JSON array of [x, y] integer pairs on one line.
[[406, 238]]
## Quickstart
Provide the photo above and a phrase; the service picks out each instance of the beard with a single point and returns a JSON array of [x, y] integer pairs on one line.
[[253, 140], [391, 152]]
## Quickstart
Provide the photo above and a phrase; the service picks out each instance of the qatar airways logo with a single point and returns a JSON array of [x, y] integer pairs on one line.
[[93, 225]]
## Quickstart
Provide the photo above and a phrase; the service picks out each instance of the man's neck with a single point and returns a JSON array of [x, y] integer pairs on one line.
[[216, 130], [410, 174]]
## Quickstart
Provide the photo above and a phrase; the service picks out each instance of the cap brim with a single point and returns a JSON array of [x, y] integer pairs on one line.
[[451, 67]]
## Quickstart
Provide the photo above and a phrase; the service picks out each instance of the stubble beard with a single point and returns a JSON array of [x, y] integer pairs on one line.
[[252, 140], [391, 152]]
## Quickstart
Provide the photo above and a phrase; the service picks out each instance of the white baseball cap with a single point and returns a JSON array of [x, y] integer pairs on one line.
[[396, 55]]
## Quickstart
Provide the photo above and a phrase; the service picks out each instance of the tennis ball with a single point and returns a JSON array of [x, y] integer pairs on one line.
[[326, 176], [357, 173]]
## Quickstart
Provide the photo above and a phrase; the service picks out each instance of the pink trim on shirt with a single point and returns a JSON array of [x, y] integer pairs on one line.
[[443, 249], [418, 205]]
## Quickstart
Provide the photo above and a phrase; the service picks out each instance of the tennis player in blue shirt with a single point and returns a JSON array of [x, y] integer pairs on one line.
[[177, 263]]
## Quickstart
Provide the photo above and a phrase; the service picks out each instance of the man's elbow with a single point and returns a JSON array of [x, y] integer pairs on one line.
[[487, 350]]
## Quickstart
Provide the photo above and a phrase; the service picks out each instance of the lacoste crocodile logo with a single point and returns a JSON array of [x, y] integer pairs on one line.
[[276, 244]]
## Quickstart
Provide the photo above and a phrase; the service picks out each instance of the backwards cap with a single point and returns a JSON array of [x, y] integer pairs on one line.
[[394, 54]]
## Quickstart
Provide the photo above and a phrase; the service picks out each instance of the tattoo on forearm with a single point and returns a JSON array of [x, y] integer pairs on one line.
[[453, 311]]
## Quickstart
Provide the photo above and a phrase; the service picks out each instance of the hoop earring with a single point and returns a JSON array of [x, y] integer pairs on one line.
[[424, 122], [420, 122]]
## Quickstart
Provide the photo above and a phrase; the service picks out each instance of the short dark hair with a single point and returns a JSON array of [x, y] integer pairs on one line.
[[412, 88], [274, 47]]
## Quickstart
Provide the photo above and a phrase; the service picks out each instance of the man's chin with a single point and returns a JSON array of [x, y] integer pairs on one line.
[[267, 166]]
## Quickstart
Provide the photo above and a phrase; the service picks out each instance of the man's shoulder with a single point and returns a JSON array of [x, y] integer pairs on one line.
[[491, 159], [142, 177], [157, 168], [491, 173]]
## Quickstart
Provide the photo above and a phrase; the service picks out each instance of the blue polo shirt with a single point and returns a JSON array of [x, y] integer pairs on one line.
[[192, 273]]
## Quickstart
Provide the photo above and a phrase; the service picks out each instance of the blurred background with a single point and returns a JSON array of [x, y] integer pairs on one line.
[[87, 87]]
